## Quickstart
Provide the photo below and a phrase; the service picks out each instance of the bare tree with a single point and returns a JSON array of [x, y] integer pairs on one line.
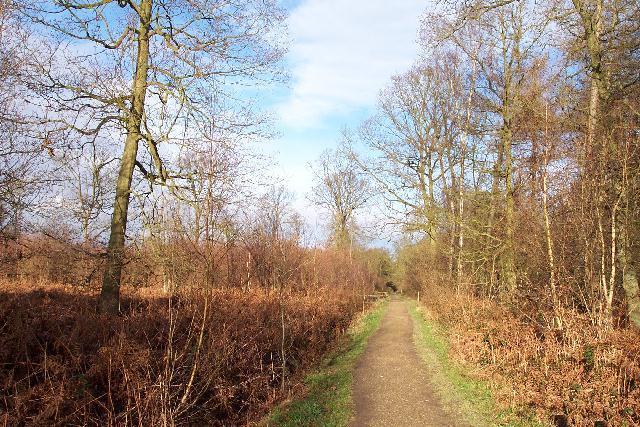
[[405, 140], [341, 190], [18, 156], [88, 179], [421, 141], [155, 71]]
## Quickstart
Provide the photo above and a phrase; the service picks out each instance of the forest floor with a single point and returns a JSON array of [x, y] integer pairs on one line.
[[392, 386]]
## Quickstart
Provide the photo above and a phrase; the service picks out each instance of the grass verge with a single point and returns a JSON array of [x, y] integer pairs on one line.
[[329, 400], [468, 398]]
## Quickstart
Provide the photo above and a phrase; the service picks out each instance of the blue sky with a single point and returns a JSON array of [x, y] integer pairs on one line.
[[342, 53]]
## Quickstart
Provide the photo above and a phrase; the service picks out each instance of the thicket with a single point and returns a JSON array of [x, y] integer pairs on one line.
[[278, 265], [210, 332]]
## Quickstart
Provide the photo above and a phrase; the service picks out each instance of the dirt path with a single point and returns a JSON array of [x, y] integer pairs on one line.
[[391, 386]]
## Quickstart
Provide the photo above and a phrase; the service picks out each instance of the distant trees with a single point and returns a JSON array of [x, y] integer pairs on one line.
[[408, 135], [419, 147], [154, 71], [87, 190], [341, 189], [273, 240]]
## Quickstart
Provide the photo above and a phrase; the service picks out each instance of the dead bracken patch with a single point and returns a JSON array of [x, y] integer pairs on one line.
[[199, 358], [576, 376]]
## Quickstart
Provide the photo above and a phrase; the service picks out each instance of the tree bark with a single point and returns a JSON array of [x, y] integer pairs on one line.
[[509, 268], [461, 184], [630, 286], [506, 138], [550, 258], [547, 226], [110, 295], [628, 270]]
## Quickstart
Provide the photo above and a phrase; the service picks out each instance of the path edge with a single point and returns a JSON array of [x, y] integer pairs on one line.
[[328, 400], [463, 396]]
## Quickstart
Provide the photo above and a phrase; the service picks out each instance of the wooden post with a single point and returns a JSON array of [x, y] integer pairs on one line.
[[418, 296]]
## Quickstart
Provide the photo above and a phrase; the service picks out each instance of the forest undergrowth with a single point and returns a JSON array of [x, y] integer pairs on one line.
[[578, 375], [206, 357]]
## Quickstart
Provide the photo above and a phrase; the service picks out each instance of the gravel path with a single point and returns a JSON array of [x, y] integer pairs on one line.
[[391, 386]]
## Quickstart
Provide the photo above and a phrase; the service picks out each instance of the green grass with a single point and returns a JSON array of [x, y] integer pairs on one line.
[[461, 394], [329, 400]]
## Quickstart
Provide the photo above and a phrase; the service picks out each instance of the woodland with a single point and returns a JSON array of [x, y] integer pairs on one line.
[[152, 273]]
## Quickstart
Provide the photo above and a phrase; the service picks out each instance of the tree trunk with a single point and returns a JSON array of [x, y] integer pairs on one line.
[[508, 261], [592, 24], [549, 241], [630, 285], [628, 271], [494, 204], [461, 184], [110, 296], [612, 270], [547, 225]]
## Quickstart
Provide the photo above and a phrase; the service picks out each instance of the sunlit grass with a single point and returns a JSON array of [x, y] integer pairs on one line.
[[329, 401], [464, 396]]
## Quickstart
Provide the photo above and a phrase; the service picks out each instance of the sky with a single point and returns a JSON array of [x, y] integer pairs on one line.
[[342, 53]]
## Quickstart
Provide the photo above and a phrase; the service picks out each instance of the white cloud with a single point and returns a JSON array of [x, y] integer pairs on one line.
[[343, 52]]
